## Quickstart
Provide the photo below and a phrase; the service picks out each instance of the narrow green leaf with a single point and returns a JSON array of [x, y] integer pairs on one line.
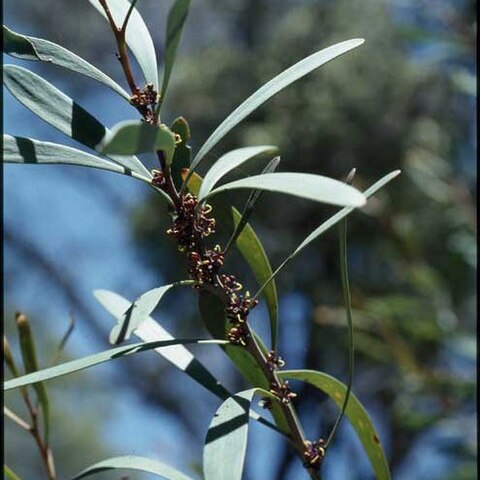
[[212, 311], [226, 441], [9, 473], [229, 162], [251, 249], [348, 309], [150, 330], [60, 111], [31, 48], [304, 185], [92, 360], [137, 37], [133, 136], [28, 150], [333, 220], [355, 412], [176, 20], [27, 348], [132, 462], [271, 88]]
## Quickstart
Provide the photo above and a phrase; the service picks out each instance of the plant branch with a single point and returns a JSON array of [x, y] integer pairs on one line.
[[44, 449], [296, 431], [15, 418], [121, 44], [127, 17]]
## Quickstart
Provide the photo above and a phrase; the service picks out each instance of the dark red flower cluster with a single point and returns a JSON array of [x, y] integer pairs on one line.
[[191, 226], [282, 391], [274, 362], [158, 179], [203, 269], [145, 100], [313, 453], [238, 308]]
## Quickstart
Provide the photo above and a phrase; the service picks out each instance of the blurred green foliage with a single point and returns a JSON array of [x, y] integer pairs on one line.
[[412, 251]]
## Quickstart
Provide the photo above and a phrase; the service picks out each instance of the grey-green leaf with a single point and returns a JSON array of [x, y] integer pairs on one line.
[[92, 360], [176, 20], [133, 462], [28, 150], [304, 185], [248, 210], [295, 72], [60, 111], [138, 312], [150, 330], [133, 136], [228, 162], [333, 220], [355, 412], [226, 441], [137, 37], [32, 48]]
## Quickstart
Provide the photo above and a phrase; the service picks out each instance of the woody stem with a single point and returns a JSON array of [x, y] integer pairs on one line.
[[296, 432]]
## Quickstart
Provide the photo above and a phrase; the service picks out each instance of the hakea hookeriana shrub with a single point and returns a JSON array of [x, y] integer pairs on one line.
[[225, 303]]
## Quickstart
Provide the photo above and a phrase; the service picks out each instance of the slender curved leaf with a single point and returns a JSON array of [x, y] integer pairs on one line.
[[333, 220], [29, 357], [32, 48], [251, 249], [304, 185], [60, 111], [355, 412], [345, 211], [92, 360], [278, 83], [133, 462], [137, 37], [138, 312], [28, 150], [226, 441], [150, 330], [176, 19], [212, 311], [134, 136], [228, 162], [348, 311]]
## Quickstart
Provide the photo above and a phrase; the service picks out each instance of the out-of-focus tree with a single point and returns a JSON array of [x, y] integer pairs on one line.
[[404, 100]]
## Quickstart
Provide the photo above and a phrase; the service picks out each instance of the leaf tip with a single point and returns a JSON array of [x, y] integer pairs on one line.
[[21, 319]]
